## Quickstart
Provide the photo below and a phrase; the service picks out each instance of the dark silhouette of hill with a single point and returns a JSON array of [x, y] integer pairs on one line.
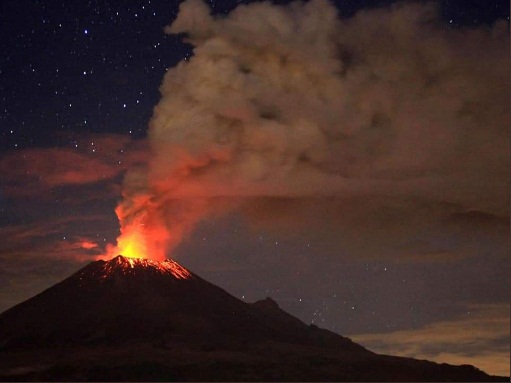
[[139, 320]]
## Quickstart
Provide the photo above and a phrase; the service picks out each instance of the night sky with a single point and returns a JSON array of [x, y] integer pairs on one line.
[[380, 212]]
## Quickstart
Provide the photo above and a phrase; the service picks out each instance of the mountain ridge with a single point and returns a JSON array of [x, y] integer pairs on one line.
[[109, 310]]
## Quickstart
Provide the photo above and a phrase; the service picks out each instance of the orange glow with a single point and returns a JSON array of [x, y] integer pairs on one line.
[[152, 223], [131, 266], [88, 245], [131, 244], [142, 236]]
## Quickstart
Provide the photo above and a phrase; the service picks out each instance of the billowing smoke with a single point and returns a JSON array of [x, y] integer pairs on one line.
[[287, 110]]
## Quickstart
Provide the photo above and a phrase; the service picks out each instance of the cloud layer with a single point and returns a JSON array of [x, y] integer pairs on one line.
[[96, 158], [480, 338]]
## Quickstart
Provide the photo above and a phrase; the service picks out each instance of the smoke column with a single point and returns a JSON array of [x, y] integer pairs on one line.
[[294, 102]]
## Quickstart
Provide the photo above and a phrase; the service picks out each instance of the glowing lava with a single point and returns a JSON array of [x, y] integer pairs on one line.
[[141, 237], [132, 244], [132, 265], [144, 232]]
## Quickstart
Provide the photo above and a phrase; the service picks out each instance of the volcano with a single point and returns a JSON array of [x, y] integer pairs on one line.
[[140, 320]]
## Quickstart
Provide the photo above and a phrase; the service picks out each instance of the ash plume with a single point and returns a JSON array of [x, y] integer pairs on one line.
[[285, 111]]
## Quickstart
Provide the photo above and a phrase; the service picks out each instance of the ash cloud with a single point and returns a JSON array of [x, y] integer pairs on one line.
[[293, 106]]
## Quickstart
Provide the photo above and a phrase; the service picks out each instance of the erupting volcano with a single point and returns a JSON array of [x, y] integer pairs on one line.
[[133, 243], [136, 319], [132, 265], [150, 228], [130, 245]]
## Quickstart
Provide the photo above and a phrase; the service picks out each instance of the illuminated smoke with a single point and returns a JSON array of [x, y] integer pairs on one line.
[[297, 103]]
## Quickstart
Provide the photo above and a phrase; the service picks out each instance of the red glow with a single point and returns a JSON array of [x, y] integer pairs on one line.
[[142, 236], [154, 220], [131, 265], [88, 245], [132, 243]]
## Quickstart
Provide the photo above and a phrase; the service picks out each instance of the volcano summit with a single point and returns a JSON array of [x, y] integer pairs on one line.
[[136, 319]]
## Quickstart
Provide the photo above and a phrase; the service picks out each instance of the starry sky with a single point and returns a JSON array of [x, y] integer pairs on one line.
[[419, 269]]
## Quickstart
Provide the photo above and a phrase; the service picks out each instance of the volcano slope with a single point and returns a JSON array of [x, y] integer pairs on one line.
[[140, 320]]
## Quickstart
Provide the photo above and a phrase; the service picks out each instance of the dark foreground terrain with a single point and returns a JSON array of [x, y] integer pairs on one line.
[[134, 320], [263, 362]]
